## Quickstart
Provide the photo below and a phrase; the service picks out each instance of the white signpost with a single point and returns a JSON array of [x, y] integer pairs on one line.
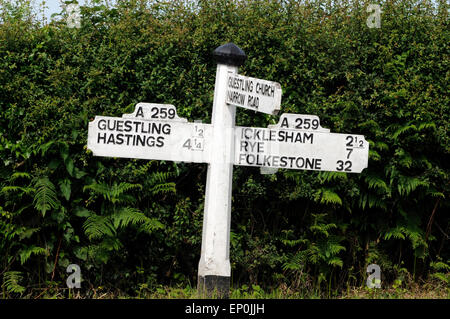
[[298, 142], [253, 94], [154, 131]]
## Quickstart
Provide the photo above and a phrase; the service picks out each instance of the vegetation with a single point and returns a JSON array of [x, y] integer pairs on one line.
[[134, 226]]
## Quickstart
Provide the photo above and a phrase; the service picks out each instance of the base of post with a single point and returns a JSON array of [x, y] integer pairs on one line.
[[214, 286]]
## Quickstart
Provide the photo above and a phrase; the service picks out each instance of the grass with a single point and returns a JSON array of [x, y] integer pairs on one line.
[[433, 289]]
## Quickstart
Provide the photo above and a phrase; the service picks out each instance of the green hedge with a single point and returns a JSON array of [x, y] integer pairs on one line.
[[131, 224]]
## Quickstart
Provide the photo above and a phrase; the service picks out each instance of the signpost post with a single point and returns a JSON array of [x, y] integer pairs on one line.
[[214, 270], [154, 131]]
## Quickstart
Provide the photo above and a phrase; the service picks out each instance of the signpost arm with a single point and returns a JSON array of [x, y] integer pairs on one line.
[[214, 271]]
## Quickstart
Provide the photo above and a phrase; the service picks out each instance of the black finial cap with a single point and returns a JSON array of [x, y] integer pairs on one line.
[[229, 54]]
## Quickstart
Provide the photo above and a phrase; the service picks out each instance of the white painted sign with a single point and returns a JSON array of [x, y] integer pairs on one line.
[[299, 142], [152, 131], [253, 94]]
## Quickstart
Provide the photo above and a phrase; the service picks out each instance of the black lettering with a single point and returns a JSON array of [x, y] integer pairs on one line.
[[150, 141], [272, 135], [128, 136], [248, 159], [140, 139], [309, 163], [99, 138], [140, 112], [101, 124], [308, 137], [248, 86], [154, 128], [292, 159], [298, 138], [260, 147], [128, 127], [119, 127], [245, 133], [275, 160], [143, 127], [111, 139], [113, 126], [267, 160], [119, 139], [241, 157], [166, 128], [136, 126], [301, 160], [160, 141], [318, 163], [258, 162], [289, 137]]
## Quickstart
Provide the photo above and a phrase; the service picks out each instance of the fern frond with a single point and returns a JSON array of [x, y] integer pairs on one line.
[[296, 261], [11, 280], [329, 197], [23, 190], [381, 146], [336, 262], [328, 176], [17, 175], [97, 226], [375, 182], [113, 193], [439, 265], [371, 200], [160, 177], [163, 188], [445, 278], [322, 228], [404, 129], [434, 193], [330, 247], [397, 233], [45, 197], [99, 188], [426, 126], [150, 225], [293, 242], [405, 159], [28, 232], [374, 155], [26, 253], [119, 189], [407, 184], [126, 216]]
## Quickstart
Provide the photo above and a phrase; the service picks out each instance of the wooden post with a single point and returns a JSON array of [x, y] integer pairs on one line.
[[214, 270]]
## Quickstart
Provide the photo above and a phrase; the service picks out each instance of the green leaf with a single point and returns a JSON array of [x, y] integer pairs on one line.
[[98, 226], [82, 212], [45, 196], [79, 173], [375, 182], [65, 186], [11, 280], [329, 197], [69, 165], [26, 253]]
